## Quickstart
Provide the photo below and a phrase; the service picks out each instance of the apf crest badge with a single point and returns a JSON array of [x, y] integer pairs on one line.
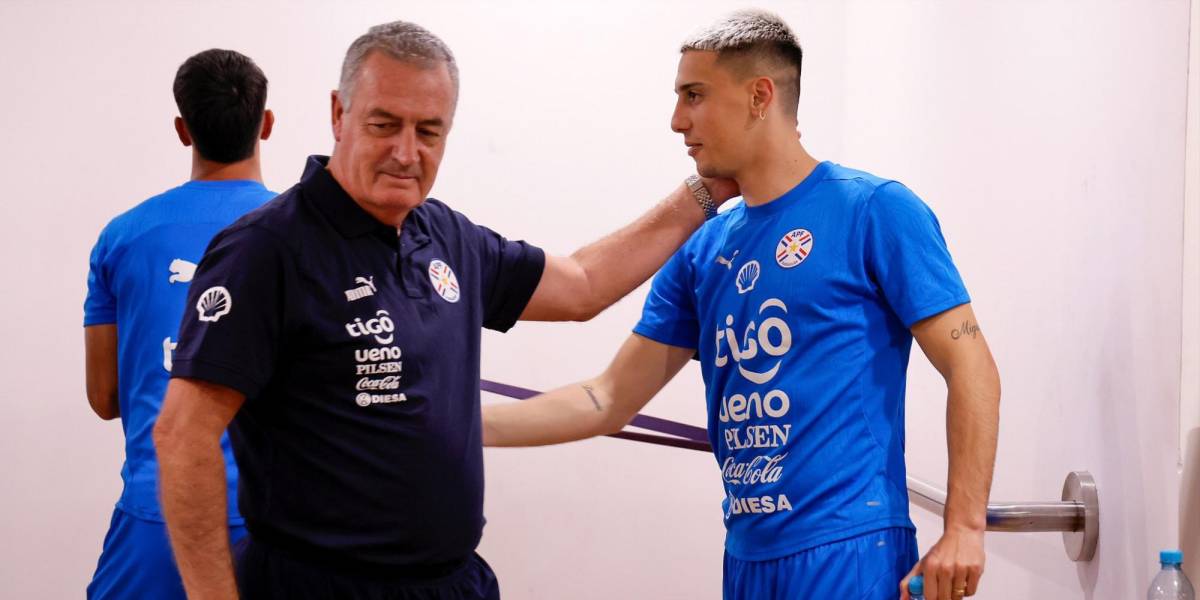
[[444, 281], [793, 248]]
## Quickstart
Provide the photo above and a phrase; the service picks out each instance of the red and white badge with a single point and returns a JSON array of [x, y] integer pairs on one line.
[[444, 281], [793, 248]]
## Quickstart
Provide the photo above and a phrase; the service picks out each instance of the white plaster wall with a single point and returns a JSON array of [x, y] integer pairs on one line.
[[1189, 392]]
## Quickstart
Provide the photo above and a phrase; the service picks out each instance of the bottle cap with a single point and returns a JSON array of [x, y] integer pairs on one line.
[[1171, 557], [916, 585]]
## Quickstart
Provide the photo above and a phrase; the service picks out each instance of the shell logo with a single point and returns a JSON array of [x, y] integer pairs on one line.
[[214, 303], [748, 276]]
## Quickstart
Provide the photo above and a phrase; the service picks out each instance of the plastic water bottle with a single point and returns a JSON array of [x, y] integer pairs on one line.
[[916, 588], [1171, 583]]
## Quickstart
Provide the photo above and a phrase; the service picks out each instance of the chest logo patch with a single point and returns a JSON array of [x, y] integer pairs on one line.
[[747, 276], [214, 303], [444, 281], [793, 248]]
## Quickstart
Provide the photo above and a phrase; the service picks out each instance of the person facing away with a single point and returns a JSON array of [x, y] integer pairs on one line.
[[338, 327], [138, 279], [801, 305]]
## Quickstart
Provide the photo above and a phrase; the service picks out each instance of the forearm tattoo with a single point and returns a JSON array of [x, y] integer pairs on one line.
[[968, 329], [592, 395]]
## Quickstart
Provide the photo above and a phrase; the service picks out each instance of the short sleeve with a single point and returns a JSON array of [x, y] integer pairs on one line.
[[233, 321], [669, 314], [511, 272], [907, 257], [100, 305]]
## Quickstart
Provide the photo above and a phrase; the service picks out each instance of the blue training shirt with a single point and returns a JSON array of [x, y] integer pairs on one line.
[[800, 310], [138, 280]]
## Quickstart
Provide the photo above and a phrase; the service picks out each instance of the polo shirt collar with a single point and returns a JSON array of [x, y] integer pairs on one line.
[[344, 213]]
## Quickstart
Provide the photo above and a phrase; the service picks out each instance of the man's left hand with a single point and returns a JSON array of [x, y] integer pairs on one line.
[[952, 568]]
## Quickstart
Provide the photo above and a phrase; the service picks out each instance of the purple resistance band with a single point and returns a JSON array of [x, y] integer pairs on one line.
[[681, 435]]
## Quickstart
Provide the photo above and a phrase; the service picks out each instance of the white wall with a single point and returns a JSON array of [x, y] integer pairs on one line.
[[1189, 389], [1048, 136]]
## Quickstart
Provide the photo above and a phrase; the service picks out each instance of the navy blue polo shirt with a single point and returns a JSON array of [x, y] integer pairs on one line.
[[358, 352]]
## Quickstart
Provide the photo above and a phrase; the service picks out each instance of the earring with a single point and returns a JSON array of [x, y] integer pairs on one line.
[[762, 115]]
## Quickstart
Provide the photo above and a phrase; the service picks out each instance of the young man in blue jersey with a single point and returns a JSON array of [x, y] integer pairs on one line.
[[137, 285], [801, 305]]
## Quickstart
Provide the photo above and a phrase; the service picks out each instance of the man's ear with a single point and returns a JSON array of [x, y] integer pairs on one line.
[[762, 95], [185, 138], [268, 124], [336, 112]]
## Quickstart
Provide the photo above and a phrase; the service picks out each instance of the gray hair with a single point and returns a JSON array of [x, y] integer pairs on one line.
[[756, 42], [400, 40]]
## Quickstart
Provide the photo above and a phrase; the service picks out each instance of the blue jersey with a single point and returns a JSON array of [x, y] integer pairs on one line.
[[138, 280], [800, 310]]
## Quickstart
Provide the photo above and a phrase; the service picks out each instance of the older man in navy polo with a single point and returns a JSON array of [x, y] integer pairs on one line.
[[336, 331]]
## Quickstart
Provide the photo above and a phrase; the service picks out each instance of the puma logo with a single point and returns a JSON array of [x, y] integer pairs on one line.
[[728, 262], [182, 271], [366, 287]]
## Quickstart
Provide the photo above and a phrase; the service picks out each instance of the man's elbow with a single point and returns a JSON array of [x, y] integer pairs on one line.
[[577, 309], [166, 435], [612, 426], [586, 299], [990, 380], [591, 301], [104, 403], [616, 421], [588, 310], [982, 383]]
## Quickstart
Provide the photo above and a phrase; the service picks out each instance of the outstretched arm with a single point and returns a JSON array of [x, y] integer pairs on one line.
[[580, 286], [598, 406]]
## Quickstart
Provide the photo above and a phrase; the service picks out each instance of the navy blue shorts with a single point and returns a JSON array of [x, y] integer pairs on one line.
[[867, 567], [266, 572], [137, 561]]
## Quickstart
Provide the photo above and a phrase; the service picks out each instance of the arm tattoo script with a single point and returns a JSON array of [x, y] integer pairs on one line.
[[588, 389], [967, 329]]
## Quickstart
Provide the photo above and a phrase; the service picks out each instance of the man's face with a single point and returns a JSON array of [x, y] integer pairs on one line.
[[390, 141], [712, 112]]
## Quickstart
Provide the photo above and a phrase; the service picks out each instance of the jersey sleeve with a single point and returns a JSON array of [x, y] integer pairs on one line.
[[511, 272], [669, 313], [907, 257], [232, 324], [100, 305]]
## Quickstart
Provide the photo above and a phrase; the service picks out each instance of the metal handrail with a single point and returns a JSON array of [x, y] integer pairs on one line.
[[1077, 516]]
